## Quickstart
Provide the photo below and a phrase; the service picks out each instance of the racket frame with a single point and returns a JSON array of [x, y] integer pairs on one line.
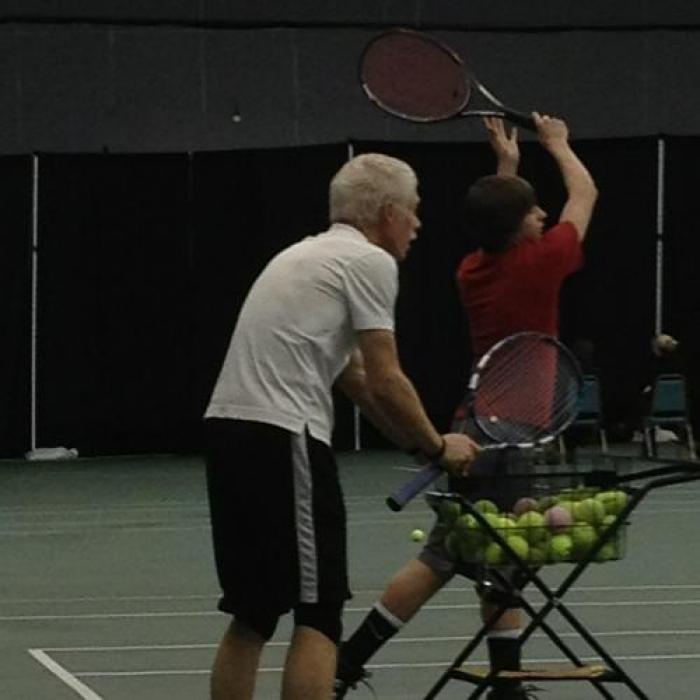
[[426, 476], [470, 81]]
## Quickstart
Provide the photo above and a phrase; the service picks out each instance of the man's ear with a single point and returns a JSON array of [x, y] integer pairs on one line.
[[389, 210]]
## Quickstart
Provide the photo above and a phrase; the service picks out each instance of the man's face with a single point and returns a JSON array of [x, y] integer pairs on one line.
[[532, 225], [400, 227]]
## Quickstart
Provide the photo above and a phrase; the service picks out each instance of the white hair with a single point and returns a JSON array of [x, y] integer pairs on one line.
[[361, 188]]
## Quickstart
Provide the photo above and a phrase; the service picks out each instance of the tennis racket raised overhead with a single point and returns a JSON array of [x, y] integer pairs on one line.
[[416, 77], [524, 392]]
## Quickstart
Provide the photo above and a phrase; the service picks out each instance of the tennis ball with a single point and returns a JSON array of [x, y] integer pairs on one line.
[[558, 518], [505, 525], [524, 505], [493, 554], [519, 545], [469, 531], [532, 526], [448, 512], [566, 504], [613, 501], [607, 521], [418, 535], [589, 511], [538, 555], [607, 552], [485, 506], [560, 547], [546, 502], [583, 537], [493, 519], [465, 523]]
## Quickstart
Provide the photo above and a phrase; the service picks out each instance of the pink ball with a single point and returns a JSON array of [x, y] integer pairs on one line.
[[558, 518], [523, 505]]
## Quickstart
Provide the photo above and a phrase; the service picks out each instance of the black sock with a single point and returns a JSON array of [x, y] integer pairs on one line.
[[376, 629], [504, 654]]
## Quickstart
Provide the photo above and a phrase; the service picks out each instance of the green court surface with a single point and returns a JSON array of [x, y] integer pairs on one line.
[[108, 589]]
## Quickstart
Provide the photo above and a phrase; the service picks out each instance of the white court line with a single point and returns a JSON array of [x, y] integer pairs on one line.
[[115, 528], [409, 665], [396, 640], [68, 678], [111, 528], [213, 596], [211, 613]]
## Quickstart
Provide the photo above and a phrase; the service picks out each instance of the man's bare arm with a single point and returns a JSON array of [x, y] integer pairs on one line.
[[394, 399]]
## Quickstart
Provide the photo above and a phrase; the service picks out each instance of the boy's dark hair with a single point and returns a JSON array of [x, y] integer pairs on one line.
[[496, 204]]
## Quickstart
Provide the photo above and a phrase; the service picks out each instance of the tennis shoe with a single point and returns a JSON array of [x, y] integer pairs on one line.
[[519, 692], [350, 681], [341, 687]]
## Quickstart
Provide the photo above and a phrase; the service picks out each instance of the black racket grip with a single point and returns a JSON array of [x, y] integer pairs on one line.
[[399, 498], [520, 118]]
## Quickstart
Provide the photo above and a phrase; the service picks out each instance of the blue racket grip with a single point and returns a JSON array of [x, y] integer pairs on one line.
[[412, 488]]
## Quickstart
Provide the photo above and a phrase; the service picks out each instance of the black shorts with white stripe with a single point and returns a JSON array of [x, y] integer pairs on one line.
[[278, 518]]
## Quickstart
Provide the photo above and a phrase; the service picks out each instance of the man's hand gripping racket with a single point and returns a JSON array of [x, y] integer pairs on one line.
[[523, 392]]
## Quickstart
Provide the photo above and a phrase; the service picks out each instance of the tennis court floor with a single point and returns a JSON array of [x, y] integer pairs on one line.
[[108, 589]]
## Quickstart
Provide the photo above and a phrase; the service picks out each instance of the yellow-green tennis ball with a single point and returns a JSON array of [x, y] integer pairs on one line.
[[607, 521], [589, 511], [448, 512], [506, 526], [493, 554], [560, 547], [418, 535], [584, 537], [519, 545], [613, 501], [485, 506], [546, 502], [532, 526], [493, 520], [567, 504], [538, 554], [607, 552], [465, 524], [469, 531]]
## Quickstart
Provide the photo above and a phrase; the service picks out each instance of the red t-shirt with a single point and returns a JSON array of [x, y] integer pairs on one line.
[[518, 290]]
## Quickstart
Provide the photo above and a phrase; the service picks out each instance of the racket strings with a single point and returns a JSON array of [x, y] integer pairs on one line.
[[527, 391], [411, 76]]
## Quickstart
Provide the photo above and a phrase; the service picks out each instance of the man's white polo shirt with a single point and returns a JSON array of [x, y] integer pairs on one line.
[[298, 326]]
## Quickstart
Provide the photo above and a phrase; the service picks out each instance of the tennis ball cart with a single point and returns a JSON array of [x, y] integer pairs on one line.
[[575, 517]]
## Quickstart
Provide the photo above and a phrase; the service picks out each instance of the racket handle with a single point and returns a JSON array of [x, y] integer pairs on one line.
[[399, 498], [520, 118]]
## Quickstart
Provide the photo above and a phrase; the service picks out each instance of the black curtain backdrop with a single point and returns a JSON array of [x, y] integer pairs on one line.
[[430, 327], [146, 259], [610, 302], [681, 245], [15, 303], [247, 206], [115, 308]]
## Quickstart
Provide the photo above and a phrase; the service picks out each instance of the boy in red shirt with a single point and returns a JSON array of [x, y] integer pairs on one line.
[[510, 284]]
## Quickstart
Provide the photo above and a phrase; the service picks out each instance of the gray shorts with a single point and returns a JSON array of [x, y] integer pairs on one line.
[[488, 479]]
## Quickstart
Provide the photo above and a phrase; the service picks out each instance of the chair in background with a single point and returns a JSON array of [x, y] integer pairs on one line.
[[590, 413], [669, 408]]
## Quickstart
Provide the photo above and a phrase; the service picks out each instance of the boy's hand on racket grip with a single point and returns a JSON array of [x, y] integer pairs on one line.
[[460, 452], [550, 130]]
